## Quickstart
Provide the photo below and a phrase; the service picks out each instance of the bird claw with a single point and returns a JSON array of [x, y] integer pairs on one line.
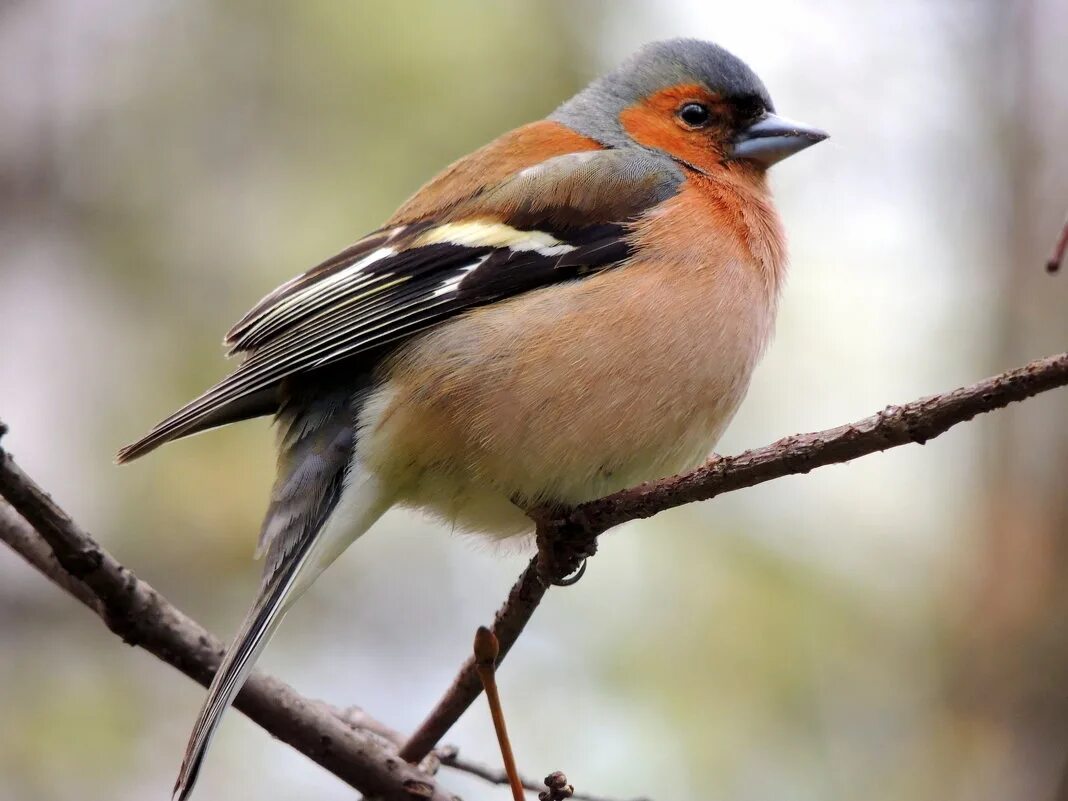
[[567, 581], [562, 563]]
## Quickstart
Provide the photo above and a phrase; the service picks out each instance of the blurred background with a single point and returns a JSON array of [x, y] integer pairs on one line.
[[896, 628]]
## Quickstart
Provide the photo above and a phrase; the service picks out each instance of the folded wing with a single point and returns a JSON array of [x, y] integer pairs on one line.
[[559, 221]]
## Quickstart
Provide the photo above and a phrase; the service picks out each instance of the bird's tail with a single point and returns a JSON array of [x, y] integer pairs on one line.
[[323, 500], [258, 627]]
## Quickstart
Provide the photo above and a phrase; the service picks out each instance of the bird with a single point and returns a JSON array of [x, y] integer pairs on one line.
[[570, 310]]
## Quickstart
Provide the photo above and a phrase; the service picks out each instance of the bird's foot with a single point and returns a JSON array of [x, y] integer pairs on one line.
[[561, 560]]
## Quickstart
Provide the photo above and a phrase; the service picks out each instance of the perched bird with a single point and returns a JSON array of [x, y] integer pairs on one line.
[[572, 309]]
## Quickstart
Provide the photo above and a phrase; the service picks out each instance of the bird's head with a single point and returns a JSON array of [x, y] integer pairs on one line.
[[691, 100]]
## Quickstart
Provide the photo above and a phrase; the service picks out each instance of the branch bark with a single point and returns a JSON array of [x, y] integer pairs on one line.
[[50, 541], [574, 533]]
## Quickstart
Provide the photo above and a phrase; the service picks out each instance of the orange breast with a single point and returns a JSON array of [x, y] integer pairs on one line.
[[726, 214]]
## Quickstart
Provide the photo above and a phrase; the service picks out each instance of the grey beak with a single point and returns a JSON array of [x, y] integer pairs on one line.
[[772, 138]]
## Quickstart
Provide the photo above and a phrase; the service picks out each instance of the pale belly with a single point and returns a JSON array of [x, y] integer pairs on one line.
[[563, 396]]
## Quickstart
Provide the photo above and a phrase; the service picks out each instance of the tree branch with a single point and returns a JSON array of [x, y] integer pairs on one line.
[[143, 617], [573, 534], [27, 543]]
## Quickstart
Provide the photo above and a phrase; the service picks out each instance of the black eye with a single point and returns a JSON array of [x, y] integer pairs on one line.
[[694, 114]]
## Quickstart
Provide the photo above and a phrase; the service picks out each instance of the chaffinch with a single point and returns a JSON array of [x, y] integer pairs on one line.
[[570, 310]]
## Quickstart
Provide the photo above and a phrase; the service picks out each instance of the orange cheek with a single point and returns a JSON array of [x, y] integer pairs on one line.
[[652, 123]]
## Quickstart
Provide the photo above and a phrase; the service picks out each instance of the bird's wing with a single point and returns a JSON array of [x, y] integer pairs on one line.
[[559, 220]]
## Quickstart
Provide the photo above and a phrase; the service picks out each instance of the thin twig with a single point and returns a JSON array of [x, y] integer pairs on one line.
[[450, 758], [1056, 256], [919, 421], [485, 653]]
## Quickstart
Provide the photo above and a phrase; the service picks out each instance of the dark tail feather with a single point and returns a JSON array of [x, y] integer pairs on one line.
[[258, 627], [198, 416]]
